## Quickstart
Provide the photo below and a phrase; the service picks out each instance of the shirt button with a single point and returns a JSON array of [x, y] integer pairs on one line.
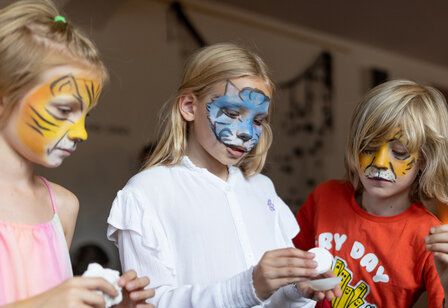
[[227, 188]]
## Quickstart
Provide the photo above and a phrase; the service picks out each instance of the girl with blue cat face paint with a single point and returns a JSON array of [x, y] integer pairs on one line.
[[236, 117], [201, 220], [228, 122]]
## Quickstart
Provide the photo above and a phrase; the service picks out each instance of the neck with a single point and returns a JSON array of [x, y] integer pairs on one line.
[[203, 159], [390, 206], [13, 168]]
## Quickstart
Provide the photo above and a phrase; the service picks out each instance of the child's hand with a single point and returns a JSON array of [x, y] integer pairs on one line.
[[437, 242], [308, 292], [280, 267], [134, 292], [74, 292]]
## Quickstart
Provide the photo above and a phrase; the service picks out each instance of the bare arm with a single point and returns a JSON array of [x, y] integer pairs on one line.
[[437, 242]]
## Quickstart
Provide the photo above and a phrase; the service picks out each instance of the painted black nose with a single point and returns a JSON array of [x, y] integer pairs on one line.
[[245, 137]]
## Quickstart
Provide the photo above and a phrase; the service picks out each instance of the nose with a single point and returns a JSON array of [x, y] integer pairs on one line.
[[382, 158], [245, 132], [245, 137], [78, 131]]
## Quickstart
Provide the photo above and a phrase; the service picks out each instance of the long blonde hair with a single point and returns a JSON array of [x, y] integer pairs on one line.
[[421, 114], [31, 42], [205, 68]]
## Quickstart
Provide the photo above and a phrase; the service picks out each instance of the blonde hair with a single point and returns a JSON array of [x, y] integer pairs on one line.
[[421, 114], [205, 68], [31, 42]]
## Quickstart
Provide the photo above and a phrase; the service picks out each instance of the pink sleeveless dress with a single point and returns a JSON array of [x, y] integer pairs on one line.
[[33, 258]]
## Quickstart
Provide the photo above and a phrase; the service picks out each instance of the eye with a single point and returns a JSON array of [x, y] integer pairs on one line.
[[369, 150], [259, 122], [231, 113], [60, 112], [400, 151], [64, 110], [401, 154]]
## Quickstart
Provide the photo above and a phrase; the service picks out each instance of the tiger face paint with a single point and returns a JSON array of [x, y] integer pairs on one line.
[[51, 120], [388, 160]]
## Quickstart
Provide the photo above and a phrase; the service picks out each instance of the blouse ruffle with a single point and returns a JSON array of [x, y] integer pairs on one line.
[[131, 212]]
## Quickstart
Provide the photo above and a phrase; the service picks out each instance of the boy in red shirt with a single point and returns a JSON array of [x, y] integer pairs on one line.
[[375, 223]]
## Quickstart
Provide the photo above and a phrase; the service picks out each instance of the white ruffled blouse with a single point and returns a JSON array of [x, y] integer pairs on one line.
[[197, 237]]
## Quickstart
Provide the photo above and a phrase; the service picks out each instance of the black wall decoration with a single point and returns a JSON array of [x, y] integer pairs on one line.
[[183, 31], [302, 123], [378, 76]]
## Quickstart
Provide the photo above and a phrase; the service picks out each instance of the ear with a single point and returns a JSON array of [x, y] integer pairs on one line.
[[187, 106]]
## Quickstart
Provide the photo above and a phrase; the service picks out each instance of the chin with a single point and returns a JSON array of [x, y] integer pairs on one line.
[[377, 192], [48, 162], [234, 160], [54, 163], [384, 192]]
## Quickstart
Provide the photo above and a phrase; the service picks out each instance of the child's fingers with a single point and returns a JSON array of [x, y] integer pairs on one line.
[[92, 298], [437, 238], [272, 272], [329, 274], [96, 283], [331, 294], [137, 284], [439, 229], [439, 247], [143, 295], [441, 257], [289, 252], [291, 262], [293, 273], [126, 277], [144, 306], [319, 295]]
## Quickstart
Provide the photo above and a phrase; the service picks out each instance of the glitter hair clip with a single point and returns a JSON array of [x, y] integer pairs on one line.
[[60, 18]]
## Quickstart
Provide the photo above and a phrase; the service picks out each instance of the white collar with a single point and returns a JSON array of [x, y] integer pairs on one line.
[[234, 172]]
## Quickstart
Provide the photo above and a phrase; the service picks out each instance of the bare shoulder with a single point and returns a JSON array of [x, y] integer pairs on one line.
[[67, 205]]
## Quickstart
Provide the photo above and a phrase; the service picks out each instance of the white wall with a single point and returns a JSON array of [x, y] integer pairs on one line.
[[145, 65]]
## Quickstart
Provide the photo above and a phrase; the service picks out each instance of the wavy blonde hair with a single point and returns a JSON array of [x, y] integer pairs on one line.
[[205, 68], [31, 42], [421, 114]]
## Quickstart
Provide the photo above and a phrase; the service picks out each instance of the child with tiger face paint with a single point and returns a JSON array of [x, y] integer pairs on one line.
[[376, 223], [50, 78]]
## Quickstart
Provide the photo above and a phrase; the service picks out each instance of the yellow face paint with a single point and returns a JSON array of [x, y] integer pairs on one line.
[[388, 160], [52, 119]]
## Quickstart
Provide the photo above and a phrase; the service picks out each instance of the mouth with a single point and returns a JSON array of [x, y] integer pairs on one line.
[[66, 151], [235, 150], [380, 179]]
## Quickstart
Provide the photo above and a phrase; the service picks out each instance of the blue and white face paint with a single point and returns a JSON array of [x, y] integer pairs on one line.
[[236, 117]]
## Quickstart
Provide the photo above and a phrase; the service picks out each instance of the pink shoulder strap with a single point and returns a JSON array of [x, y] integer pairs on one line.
[[50, 192]]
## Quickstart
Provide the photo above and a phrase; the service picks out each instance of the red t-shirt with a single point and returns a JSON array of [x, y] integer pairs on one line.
[[383, 261]]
